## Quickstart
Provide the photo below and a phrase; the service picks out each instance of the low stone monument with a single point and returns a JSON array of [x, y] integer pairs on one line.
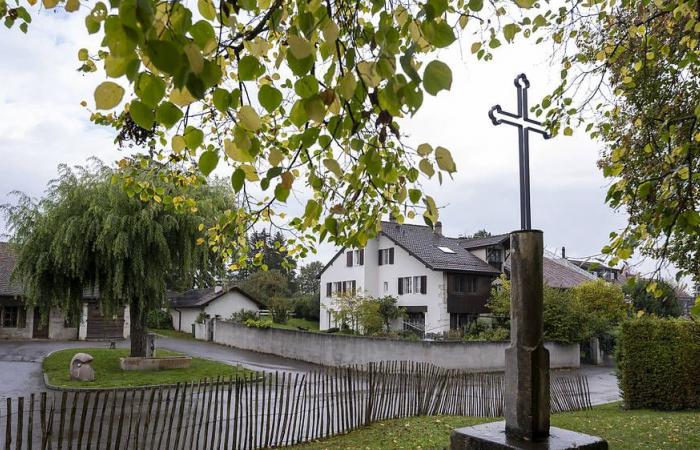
[[80, 368]]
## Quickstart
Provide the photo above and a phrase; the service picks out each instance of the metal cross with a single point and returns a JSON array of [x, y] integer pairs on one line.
[[524, 125]]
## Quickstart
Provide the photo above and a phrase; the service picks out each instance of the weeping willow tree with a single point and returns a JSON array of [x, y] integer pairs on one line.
[[93, 230]]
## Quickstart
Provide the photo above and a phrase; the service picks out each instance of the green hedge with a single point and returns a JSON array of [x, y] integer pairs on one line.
[[658, 363]]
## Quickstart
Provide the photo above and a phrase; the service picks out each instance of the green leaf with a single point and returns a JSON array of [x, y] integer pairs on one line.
[[414, 195], [150, 89], [281, 193], [298, 114], [426, 167], [164, 55], [269, 97], [424, 149], [203, 35], [168, 114], [206, 9], [306, 87], [237, 179], [249, 68], [108, 95], [444, 160], [476, 5], [437, 77], [221, 99], [208, 161], [299, 47], [439, 34], [526, 4], [193, 137], [333, 166], [141, 114], [509, 31]]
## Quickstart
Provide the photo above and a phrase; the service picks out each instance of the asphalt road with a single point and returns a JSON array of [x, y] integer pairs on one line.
[[20, 364], [20, 361]]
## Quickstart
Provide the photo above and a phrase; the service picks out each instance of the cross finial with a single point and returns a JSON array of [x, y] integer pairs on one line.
[[524, 124]]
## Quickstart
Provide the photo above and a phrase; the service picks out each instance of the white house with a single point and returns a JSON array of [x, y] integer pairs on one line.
[[440, 283], [216, 302]]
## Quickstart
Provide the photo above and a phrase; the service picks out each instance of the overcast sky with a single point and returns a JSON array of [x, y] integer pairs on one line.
[[42, 125]]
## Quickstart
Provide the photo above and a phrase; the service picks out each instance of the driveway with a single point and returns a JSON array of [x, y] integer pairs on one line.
[[20, 361]]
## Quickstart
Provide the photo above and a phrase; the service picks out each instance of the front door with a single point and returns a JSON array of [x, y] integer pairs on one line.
[[41, 326]]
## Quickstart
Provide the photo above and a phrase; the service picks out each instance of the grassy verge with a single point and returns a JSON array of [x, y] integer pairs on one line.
[[295, 323], [172, 333], [627, 430], [108, 374]]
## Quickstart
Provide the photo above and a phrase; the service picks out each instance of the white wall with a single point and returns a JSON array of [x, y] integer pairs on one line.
[[224, 306], [370, 279]]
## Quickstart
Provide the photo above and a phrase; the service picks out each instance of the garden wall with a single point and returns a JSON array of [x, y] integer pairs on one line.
[[340, 350]]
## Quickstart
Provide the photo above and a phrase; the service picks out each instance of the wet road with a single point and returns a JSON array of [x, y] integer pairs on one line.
[[20, 361]]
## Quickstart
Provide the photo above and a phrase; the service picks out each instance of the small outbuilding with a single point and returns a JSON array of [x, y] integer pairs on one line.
[[216, 303]]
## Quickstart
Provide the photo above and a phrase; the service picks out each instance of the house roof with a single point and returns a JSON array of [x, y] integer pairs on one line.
[[424, 244], [197, 298], [484, 241], [8, 287], [560, 273]]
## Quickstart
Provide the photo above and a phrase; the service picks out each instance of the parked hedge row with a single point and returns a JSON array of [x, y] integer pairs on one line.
[[659, 363]]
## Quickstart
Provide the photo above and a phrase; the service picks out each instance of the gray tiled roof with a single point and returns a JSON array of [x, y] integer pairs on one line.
[[421, 242], [8, 287], [195, 298], [484, 241], [560, 273]]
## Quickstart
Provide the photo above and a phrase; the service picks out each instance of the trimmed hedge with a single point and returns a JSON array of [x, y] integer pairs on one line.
[[658, 363]]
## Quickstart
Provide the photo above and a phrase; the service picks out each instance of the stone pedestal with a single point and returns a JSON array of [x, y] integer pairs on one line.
[[492, 436]]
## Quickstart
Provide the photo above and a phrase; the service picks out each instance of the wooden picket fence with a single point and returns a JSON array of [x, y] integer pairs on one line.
[[264, 410]]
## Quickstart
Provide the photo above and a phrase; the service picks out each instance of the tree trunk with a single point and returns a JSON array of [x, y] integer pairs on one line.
[[138, 329]]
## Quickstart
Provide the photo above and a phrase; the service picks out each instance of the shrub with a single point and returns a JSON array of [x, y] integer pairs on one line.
[[159, 318], [658, 363], [654, 297], [280, 307], [202, 317], [307, 306], [243, 315], [263, 324]]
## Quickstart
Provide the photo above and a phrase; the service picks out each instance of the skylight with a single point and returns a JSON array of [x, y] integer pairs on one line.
[[446, 250]]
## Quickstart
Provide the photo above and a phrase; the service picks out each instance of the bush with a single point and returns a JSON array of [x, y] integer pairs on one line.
[[280, 307], [243, 315], [263, 324], [159, 318], [658, 363], [307, 307]]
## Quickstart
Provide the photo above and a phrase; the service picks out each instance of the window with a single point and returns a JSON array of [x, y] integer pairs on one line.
[[405, 285], [329, 289], [494, 255], [337, 287], [349, 287], [386, 286], [386, 256], [446, 249], [355, 257], [420, 284], [12, 317], [463, 284]]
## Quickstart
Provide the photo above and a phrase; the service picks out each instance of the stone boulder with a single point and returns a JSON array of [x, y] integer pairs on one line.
[[80, 368]]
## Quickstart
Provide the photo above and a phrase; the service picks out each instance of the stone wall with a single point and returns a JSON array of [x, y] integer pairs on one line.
[[339, 350]]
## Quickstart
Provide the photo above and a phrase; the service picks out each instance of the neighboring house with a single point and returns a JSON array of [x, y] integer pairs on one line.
[[441, 285], [216, 302], [18, 321], [559, 272], [611, 274]]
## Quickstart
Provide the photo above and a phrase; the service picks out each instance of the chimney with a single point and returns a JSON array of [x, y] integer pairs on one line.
[[563, 252], [438, 228]]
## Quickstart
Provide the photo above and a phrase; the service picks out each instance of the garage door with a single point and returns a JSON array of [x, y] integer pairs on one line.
[[104, 327]]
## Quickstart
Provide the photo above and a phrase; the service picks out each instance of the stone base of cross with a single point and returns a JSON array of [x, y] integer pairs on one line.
[[527, 367]]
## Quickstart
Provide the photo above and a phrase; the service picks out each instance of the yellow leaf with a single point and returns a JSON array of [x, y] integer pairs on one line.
[[178, 143], [250, 173], [330, 31], [49, 4], [72, 5], [181, 97], [368, 72], [476, 46], [346, 86], [426, 167], [108, 95], [194, 56], [424, 149], [333, 166], [444, 160], [275, 157], [248, 118], [300, 47], [237, 153]]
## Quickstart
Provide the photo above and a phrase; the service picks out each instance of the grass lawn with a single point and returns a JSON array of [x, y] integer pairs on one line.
[[172, 333], [108, 374], [294, 324], [638, 429]]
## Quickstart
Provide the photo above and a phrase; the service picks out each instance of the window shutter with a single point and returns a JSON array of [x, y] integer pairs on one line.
[[400, 286], [380, 257], [391, 255], [362, 257], [329, 289], [349, 257], [424, 284]]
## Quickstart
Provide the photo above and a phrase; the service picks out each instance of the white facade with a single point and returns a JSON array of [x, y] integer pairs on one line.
[[376, 280], [221, 307]]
